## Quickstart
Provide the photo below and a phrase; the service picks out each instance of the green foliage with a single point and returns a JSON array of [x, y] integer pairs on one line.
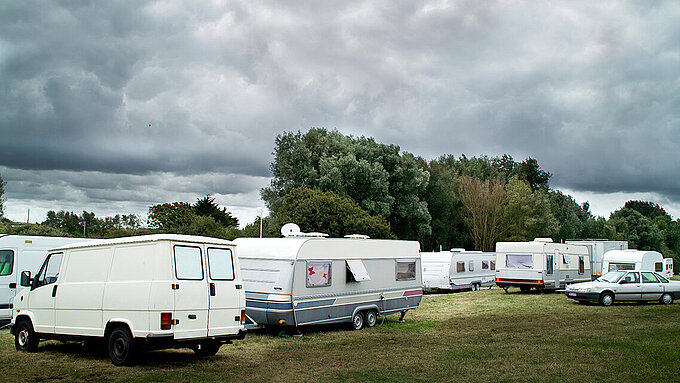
[[572, 217], [527, 213], [88, 225], [35, 229], [376, 176], [184, 218], [207, 207], [327, 212], [270, 228], [638, 230], [649, 209]]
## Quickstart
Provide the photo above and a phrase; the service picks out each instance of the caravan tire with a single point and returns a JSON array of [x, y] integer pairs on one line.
[[25, 338], [607, 299], [358, 320], [666, 299], [371, 318], [121, 347]]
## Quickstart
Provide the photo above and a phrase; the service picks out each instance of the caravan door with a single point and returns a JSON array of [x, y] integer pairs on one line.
[[191, 292], [8, 281], [224, 314]]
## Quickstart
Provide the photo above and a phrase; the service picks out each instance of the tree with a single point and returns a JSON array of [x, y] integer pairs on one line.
[[207, 207], [649, 209], [527, 213], [484, 203], [2, 196], [167, 216], [571, 216], [638, 230], [327, 212]]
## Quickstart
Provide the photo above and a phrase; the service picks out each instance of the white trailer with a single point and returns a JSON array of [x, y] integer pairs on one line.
[[301, 280], [22, 252], [638, 260], [457, 270], [596, 249], [152, 291], [541, 264]]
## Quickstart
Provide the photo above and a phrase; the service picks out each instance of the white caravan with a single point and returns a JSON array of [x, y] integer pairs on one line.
[[146, 292], [541, 264], [457, 270], [22, 252], [596, 250], [302, 280], [638, 260]]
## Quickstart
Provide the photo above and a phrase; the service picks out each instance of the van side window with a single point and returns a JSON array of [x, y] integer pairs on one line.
[[460, 266], [188, 263], [49, 272], [406, 270], [318, 274], [6, 262], [220, 264]]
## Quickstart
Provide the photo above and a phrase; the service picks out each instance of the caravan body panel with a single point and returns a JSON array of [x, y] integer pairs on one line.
[[457, 270], [596, 249]]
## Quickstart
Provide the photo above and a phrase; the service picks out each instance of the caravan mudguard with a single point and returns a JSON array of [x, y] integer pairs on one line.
[[366, 307]]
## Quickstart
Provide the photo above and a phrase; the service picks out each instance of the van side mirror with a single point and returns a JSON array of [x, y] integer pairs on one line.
[[26, 279]]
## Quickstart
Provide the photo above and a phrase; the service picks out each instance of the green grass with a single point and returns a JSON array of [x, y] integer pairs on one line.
[[486, 336]]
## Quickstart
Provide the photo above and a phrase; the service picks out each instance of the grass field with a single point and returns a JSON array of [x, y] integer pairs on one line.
[[486, 336]]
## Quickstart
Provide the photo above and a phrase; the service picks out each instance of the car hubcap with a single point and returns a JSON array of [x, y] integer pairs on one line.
[[607, 300], [667, 299]]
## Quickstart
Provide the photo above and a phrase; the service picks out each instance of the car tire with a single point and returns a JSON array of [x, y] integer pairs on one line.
[[25, 338], [606, 299], [666, 299], [371, 318], [121, 347], [358, 320], [206, 349]]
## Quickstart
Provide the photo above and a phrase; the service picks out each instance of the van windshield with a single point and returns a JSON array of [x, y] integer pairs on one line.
[[611, 277]]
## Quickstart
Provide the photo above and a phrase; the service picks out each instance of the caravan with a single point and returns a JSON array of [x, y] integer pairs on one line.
[[307, 279], [457, 270], [637, 260], [22, 252], [540, 264], [596, 249]]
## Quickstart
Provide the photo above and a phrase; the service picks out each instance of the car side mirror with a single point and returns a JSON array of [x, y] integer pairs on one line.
[[26, 279]]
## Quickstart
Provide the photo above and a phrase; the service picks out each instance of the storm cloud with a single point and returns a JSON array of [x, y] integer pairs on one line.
[[111, 107]]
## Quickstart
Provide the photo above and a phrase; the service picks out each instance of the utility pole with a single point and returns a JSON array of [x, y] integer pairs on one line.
[[260, 222], [28, 215]]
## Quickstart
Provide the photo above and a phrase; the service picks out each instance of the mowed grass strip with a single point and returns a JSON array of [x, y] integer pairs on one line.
[[485, 336]]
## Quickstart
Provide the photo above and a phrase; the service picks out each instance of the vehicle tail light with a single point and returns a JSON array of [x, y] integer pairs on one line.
[[166, 321], [243, 315]]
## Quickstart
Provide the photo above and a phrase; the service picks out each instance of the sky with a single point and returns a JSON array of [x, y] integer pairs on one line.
[[112, 107]]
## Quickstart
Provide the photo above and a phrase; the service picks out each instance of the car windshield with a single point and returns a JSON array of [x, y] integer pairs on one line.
[[611, 277]]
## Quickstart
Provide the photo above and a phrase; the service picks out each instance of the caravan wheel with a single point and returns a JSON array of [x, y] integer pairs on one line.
[[371, 318], [358, 320]]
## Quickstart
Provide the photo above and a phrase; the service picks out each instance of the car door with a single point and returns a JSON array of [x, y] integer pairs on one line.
[[629, 288], [191, 292], [8, 282], [224, 313], [652, 288], [43, 291]]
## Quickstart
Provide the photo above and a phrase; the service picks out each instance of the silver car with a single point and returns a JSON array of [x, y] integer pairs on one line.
[[625, 285]]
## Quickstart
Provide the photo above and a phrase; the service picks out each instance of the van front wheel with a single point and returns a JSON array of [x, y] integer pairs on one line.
[[25, 339], [206, 349], [121, 347]]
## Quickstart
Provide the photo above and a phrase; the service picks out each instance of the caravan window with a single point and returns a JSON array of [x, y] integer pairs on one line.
[[406, 270], [460, 266], [658, 267], [188, 263], [621, 266], [519, 261], [471, 265], [549, 264], [220, 264], [356, 271], [493, 265], [318, 274], [6, 262], [485, 265], [581, 264], [565, 259]]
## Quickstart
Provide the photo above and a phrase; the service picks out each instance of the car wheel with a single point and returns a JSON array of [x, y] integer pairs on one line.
[[358, 320], [206, 349], [606, 299], [121, 347], [371, 318], [666, 299], [25, 338]]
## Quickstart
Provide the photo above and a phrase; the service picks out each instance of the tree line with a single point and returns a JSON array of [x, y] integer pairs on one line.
[[338, 184]]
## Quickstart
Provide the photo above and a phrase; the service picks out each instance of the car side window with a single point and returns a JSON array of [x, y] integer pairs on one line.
[[49, 272], [649, 278], [631, 278]]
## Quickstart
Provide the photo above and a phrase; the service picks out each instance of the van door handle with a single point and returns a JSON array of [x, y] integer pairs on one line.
[[13, 285], [212, 289], [54, 291]]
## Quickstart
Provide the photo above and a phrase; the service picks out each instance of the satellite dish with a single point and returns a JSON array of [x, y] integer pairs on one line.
[[289, 228]]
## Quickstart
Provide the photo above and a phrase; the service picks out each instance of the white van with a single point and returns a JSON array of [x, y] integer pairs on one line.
[[22, 252], [146, 292]]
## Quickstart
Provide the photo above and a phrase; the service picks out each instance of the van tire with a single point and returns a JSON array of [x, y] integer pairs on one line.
[[25, 338], [206, 349], [606, 299], [121, 347], [666, 299], [371, 318], [358, 320]]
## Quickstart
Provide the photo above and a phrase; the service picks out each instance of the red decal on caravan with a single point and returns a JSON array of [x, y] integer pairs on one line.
[[413, 292]]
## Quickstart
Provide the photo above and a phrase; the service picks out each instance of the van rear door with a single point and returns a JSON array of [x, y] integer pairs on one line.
[[191, 292], [224, 316]]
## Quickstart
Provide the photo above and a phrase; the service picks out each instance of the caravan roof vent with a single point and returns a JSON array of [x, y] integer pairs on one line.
[[457, 250], [357, 236], [547, 240]]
